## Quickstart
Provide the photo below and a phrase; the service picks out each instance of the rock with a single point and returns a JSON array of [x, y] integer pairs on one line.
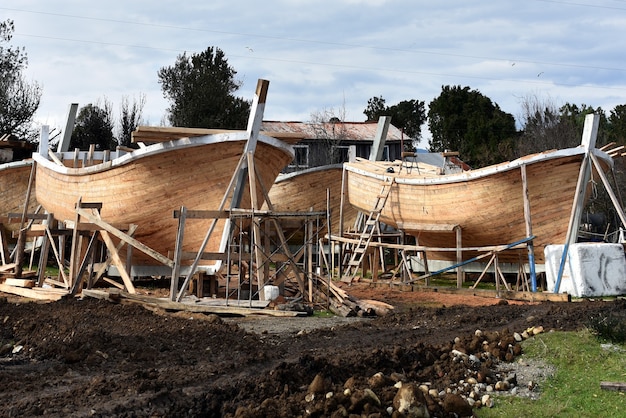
[[517, 337], [511, 378], [377, 381], [318, 385], [410, 401], [455, 404], [472, 380], [360, 398], [350, 383], [502, 385], [397, 377], [537, 330], [487, 401]]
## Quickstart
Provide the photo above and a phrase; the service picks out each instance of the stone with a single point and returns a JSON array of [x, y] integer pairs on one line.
[[377, 381], [318, 385], [502, 385], [410, 401], [360, 398]]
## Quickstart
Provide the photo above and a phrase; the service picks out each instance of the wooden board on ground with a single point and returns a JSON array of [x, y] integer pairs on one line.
[[209, 306], [487, 293], [35, 293]]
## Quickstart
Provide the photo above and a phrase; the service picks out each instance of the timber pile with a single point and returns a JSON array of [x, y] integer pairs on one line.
[[25, 285], [342, 304]]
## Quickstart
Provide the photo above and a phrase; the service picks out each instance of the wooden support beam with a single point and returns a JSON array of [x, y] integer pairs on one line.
[[126, 238]]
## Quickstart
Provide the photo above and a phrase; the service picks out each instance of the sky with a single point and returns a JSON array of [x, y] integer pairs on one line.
[[326, 56]]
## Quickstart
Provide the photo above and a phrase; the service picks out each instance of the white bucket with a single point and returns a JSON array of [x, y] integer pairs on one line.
[[271, 292]]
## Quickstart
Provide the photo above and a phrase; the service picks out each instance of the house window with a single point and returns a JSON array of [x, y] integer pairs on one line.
[[301, 159], [386, 153], [341, 154]]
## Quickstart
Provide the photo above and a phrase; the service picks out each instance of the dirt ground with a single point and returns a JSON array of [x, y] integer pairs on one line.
[[89, 357]]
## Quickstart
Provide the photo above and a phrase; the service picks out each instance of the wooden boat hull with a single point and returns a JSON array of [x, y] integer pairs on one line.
[[487, 204], [307, 190], [14, 178], [144, 187]]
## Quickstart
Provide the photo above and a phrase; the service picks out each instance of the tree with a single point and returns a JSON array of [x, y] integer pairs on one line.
[[130, 118], [19, 100], [408, 115], [543, 128], [329, 127], [616, 129], [94, 125], [575, 116], [201, 90], [464, 120]]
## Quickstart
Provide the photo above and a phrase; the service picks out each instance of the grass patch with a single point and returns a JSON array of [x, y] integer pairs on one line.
[[582, 361]]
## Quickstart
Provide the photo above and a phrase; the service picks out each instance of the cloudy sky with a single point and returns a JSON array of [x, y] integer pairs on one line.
[[327, 55]]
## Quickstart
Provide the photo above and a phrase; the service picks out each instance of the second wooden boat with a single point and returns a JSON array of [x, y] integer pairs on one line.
[[487, 204], [315, 189]]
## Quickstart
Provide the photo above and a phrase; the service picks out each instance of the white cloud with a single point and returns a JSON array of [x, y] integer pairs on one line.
[[326, 54]]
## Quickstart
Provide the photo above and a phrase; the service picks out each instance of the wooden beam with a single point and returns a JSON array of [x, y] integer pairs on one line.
[[617, 386], [35, 293], [117, 261], [126, 238], [163, 134]]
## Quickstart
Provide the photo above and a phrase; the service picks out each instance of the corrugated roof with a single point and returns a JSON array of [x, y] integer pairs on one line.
[[353, 131]]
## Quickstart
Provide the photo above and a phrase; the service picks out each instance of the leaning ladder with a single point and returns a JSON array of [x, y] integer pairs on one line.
[[369, 228]]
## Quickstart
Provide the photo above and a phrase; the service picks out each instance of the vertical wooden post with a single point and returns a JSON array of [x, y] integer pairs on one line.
[[378, 145], [459, 257], [178, 250], [590, 132], [529, 229]]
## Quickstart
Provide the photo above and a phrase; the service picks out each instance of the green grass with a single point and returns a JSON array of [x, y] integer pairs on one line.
[[581, 363]]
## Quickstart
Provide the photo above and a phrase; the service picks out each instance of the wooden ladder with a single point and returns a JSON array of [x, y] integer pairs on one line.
[[368, 229]]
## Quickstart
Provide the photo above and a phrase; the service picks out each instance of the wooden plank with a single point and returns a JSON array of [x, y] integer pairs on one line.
[[199, 308], [163, 134], [7, 267], [617, 386], [117, 261], [511, 294], [20, 282], [35, 293], [126, 238], [203, 214]]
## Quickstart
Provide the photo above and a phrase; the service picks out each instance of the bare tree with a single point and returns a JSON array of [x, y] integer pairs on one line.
[[328, 126], [544, 127], [130, 118]]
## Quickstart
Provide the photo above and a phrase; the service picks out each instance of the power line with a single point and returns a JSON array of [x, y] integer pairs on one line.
[[345, 66], [347, 45]]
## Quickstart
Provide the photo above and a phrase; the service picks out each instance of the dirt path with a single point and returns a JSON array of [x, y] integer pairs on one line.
[[95, 358]]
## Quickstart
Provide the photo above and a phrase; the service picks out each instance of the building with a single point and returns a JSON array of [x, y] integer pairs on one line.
[[318, 144]]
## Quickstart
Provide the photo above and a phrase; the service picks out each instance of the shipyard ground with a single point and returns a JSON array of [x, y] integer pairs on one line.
[[95, 358]]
